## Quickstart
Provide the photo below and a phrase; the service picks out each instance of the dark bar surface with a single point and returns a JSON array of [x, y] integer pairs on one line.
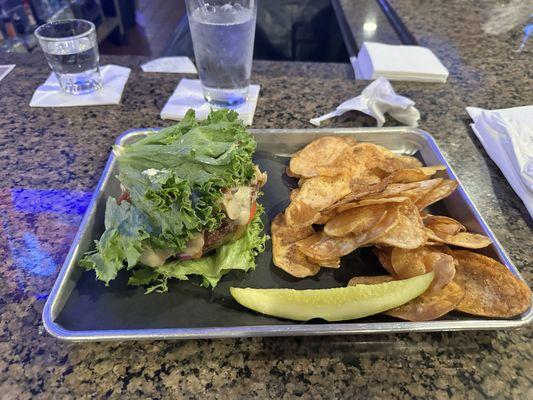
[[364, 21]]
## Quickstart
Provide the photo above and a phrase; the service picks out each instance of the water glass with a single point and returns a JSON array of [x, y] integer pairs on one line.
[[223, 34], [71, 49]]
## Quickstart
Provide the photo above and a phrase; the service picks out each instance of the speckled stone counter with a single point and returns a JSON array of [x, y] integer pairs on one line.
[[51, 159]]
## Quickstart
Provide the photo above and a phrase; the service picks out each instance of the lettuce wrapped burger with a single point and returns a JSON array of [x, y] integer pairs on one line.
[[188, 205]]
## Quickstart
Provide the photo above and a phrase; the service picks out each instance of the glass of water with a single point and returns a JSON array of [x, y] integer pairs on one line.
[[223, 38], [71, 49]]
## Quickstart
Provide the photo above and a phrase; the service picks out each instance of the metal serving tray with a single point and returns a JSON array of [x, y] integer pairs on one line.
[[80, 308]]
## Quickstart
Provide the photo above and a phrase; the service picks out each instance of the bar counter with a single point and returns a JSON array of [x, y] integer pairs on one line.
[[51, 160]]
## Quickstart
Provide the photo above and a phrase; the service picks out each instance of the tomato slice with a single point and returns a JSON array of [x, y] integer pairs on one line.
[[125, 196], [253, 209]]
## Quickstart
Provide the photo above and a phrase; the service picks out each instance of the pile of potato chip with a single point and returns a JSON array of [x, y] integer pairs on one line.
[[353, 195]]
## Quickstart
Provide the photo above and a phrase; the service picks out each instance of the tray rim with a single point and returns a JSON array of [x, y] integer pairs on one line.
[[295, 329]]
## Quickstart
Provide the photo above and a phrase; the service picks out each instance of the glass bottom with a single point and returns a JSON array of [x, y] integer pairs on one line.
[[225, 97], [82, 83]]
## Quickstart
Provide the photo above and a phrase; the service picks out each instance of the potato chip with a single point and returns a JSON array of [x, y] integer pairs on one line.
[[301, 182], [409, 263], [375, 150], [333, 263], [369, 202], [293, 194], [384, 256], [415, 174], [443, 190], [442, 248], [327, 247], [443, 226], [361, 188], [428, 307], [491, 290], [379, 173], [325, 217], [310, 240], [366, 183], [319, 153], [285, 253], [370, 280], [315, 195], [355, 221], [323, 191], [447, 230], [409, 161], [348, 139], [467, 240], [432, 238], [365, 160], [408, 232], [413, 190], [331, 247], [444, 268], [377, 157], [345, 161], [288, 172], [299, 213]]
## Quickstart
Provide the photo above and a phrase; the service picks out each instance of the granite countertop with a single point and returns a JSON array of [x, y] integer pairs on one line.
[[51, 159]]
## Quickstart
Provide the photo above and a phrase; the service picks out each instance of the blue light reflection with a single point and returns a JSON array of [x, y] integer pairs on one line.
[[30, 256], [39, 225], [53, 201]]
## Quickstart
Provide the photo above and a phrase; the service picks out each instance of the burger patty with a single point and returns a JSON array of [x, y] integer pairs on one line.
[[227, 231]]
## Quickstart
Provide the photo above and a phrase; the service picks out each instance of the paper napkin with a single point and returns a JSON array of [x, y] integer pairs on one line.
[[181, 65], [5, 69], [188, 95], [398, 62], [114, 78], [507, 136], [375, 100]]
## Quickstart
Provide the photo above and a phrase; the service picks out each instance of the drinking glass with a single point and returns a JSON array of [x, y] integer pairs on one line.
[[71, 49], [223, 38]]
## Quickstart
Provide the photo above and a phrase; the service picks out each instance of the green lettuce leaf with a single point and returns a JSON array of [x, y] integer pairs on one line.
[[143, 276], [125, 229], [175, 176], [237, 255]]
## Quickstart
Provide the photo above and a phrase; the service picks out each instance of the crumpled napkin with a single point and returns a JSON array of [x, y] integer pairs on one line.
[[181, 65], [507, 136], [114, 78], [188, 94], [375, 100]]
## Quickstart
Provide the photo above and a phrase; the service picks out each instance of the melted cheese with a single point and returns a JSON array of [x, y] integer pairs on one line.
[[238, 204], [195, 246], [154, 257]]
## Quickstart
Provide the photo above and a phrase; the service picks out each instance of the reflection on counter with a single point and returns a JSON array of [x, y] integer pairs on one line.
[[39, 225]]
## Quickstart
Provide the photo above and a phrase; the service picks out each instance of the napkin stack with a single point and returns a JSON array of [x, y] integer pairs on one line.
[[188, 94], [377, 99], [181, 65], [507, 136], [398, 62]]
